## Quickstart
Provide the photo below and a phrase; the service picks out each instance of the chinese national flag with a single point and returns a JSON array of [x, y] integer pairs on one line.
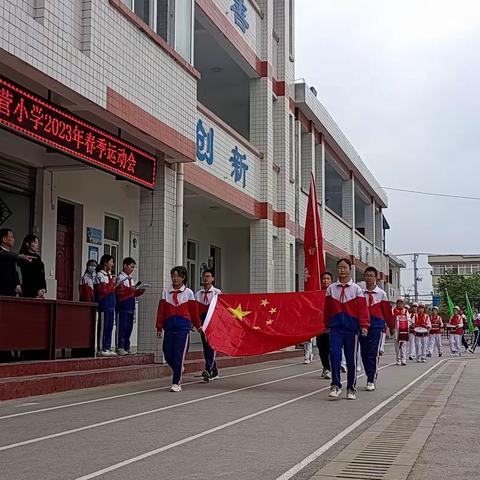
[[313, 243], [251, 324]]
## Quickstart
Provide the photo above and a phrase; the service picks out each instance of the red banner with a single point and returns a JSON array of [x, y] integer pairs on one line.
[[29, 115], [313, 243], [252, 324]]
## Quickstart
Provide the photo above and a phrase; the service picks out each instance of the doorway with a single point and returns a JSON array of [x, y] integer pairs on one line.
[[65, 260]]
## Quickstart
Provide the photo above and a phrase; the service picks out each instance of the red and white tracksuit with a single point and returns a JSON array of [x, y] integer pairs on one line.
[[421, 343], [455, 336], [400, 345], [435, 337], [411, 336]]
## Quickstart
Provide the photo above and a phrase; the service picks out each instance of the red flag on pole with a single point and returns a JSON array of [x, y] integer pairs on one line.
[[313, 243], [252, 324]]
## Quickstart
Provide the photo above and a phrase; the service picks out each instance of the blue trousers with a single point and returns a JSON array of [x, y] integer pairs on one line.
[[175, 348], [348, 341], [369, 346], [105, 322], [125, 327], [209, 355]]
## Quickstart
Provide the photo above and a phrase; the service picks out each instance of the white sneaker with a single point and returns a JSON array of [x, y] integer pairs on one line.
[[335, 392], [122, 352], [175, 388], [370, 387], [343, 368], [306, 361], [351, 395], [418, 359], [214, 377], [328, 375], [398, 362], [404, 363], [108, 353], [424, 359]]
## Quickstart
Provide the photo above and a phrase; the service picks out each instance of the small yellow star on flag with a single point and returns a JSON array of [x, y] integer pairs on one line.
[[264, 303], [269, 321], [256, 328], [273, 310], [238, 313]]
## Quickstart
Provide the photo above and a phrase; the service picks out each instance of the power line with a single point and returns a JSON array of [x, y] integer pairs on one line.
[[432, 194]]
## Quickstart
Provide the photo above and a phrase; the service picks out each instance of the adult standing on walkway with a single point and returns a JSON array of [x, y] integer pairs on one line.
[[380, 318], [34, 284], [323, 340], [346, 315], [9, 280]]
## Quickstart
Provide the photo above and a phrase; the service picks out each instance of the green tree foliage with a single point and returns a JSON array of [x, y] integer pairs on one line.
[[457, 285]]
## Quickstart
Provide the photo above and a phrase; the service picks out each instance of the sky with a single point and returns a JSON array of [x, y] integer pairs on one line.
[[402, 80]]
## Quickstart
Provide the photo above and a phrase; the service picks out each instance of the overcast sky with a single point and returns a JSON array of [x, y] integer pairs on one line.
[[402, 80]]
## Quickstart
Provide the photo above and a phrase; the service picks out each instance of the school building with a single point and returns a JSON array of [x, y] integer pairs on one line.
[[174, 131]]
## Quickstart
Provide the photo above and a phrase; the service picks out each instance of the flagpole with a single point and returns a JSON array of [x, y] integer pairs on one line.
[[315, 212]]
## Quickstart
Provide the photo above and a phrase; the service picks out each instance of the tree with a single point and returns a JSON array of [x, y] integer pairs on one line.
[[457, 285]]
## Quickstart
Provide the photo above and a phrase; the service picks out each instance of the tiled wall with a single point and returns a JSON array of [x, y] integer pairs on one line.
[[89, 46]]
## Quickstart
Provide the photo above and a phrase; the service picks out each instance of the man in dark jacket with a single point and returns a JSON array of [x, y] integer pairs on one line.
[[9, 281]]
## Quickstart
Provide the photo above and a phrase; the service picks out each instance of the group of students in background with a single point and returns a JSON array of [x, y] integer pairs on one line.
[[113, 296]]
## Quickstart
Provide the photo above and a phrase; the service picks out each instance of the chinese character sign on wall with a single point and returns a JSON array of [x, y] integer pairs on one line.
[[30, 115], [239, 166], [239, 10], [204, 143]]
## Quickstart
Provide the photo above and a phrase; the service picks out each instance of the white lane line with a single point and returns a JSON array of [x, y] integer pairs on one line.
[[149, 412], [326, 446], [151, 453], [139, 392]]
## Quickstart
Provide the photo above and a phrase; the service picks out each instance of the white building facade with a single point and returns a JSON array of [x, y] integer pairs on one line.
[[177, 134]]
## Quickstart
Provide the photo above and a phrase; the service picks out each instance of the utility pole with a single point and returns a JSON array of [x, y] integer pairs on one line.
[[415, 276]]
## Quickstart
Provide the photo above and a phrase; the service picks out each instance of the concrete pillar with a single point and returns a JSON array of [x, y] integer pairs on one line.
[[157, 247]]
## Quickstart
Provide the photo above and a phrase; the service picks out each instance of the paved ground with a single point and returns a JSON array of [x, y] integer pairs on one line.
[[256, 422]]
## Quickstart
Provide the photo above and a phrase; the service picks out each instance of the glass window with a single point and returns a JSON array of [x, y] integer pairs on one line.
[[290, 27], [475, 268], [184, 28], [439, 269], [143, 9], [451, 269], [465, 269], [112, 228], [192, 248]]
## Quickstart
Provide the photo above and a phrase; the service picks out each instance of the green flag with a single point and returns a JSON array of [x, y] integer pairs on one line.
[[450, 304], [469, 315]]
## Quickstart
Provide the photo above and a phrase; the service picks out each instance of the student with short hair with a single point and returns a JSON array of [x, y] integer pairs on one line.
[[125, 294], [346, 315], [380, 318], [204, 297], [177, 313]]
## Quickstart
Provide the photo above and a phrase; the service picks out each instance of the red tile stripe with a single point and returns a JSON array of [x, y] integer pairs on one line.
[[174, 141]]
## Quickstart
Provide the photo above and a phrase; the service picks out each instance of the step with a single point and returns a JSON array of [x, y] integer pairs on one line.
[[44, 367], [41, 384]]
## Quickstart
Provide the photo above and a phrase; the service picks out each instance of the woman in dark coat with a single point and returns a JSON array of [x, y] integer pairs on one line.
[[33, 273]]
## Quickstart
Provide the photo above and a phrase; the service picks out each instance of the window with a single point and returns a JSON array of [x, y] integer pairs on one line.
[[465, 269], [192, 270], [112, 239], [451, 269], [475, 269], [290, 27], [439, 269], [291, 134], [171, 19]]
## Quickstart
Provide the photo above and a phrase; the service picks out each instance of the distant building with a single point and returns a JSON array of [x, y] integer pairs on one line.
[[464, 265]]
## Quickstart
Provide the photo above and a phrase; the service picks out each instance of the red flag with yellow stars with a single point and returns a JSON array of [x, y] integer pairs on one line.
[[251, 324]]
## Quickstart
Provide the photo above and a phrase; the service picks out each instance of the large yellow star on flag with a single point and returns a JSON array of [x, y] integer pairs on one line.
[[238, 313]]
